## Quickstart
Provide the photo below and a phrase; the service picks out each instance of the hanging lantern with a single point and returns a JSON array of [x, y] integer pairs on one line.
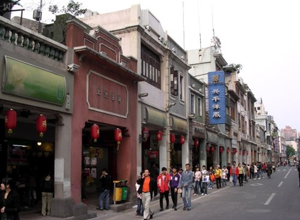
[[244, 152], [227, 150], [212, 149], [172, 138], [10, 120], [196, 142], [145, 133], [221, 149], [159, 135], [41, 124], [118, 136], [207, 149], [233, 150], [182, 139], [95, 132]]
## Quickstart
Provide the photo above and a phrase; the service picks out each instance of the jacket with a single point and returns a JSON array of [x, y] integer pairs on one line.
[[163, 182], [235, 171], [12, 205], [175, 179], [47, 185], [105, 182], [186, 179], [141, 183]]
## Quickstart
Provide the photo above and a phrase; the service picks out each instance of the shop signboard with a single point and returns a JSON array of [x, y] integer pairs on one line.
[[216, 96], [32, 82]]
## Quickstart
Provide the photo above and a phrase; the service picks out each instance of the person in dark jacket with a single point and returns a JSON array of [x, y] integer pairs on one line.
[[47, 188], [10, 202], [105, 180], [147, 185]]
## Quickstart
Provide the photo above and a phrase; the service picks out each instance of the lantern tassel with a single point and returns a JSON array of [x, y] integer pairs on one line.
[[118, 145], [95, 140], [41, 134], [10, 131]]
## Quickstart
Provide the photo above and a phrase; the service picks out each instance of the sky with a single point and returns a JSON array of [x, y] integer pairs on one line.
[[263, 36]]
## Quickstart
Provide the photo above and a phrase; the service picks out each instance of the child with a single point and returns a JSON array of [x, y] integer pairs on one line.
[[205, 180], [224, 176]]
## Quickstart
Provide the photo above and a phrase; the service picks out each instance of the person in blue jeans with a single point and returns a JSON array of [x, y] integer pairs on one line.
[[105, 180], [186, 184]]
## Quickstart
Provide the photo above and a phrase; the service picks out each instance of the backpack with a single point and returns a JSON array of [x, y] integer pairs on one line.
[[212, 177]]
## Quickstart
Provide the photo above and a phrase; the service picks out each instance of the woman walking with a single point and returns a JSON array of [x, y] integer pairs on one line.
[[241, 174], [9, 200]]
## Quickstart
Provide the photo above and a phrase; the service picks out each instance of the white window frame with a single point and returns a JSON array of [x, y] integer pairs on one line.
[[193, 102], [200, 106], [181, 86]]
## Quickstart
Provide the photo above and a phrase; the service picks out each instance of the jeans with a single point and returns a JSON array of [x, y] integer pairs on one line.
[[234, 179], [211, 184], [245, 178], [204, 187], [161, 197], [46, 203], [174, 197], [196, 188], [218, 182], [224, 182], [104, 195], [186, 197], [241, 179], [140, 207]]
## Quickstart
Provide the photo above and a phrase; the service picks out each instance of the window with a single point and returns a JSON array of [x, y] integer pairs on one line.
[[181, 88], [150, 66], [232, 112], [192, 103], [200, 109], [174, 81]]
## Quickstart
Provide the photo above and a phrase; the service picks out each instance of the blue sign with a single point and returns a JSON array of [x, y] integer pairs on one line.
[[216, 98]]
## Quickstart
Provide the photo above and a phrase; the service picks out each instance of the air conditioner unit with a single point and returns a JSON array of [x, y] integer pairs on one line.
[[37, 14]]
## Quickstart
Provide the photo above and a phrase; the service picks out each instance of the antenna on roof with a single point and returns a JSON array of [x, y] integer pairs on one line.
[[199, 27], [212, 19], [183, 24]]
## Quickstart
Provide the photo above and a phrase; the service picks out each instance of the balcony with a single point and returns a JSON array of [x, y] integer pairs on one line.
[[228, 120], [36, 43]]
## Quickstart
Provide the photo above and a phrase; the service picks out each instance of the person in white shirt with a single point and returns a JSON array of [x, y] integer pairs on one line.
[[197, 182], [205, 180]]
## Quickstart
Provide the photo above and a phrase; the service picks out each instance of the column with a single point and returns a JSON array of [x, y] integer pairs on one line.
[[202, 151], [185, 152], [163, 151], [62, 203]]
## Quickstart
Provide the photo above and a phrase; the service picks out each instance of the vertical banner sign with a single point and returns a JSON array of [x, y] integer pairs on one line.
[[216, 96]]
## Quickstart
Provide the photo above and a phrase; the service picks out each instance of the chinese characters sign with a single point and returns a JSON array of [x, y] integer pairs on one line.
[[216, 96]]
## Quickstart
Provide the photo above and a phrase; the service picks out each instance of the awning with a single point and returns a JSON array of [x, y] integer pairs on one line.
[[212, 137], [221, 141], [234, 143], [154, 117], [179, 125]]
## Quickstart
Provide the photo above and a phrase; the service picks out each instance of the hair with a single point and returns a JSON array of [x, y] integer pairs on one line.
[[203, 166], [174, 168], [104, 169], [163, 169], [187, 164], [8, 181]]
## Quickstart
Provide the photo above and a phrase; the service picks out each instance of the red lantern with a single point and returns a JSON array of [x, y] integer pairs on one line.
[[118, 136], [172, 138], [221, 149], [41, 124], [145, 132], [159, 135], [95, 132], [207, 149], [196, 142], [227, 150], [182, 139], [10, 120], [212, 149], [233, 150]]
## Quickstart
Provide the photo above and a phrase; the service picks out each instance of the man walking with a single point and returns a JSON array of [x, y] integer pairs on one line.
[[233, 172], [147, 185], [186, 183], [105, 188]]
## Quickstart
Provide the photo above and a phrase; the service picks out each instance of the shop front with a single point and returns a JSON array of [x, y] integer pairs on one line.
[[212, 149], [197, 133]]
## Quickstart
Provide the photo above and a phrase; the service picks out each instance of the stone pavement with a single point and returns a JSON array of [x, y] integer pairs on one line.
[[92, 204]]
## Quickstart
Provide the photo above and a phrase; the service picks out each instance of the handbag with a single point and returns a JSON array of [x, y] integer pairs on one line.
[[179, 191]]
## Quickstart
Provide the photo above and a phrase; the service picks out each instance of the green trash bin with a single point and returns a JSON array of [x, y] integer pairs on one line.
[[124, 190]]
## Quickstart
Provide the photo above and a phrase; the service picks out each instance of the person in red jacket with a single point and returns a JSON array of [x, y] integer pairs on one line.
[[163, 181], [234, 172]]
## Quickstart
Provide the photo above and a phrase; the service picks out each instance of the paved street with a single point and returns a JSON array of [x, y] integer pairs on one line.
[[275, 198]]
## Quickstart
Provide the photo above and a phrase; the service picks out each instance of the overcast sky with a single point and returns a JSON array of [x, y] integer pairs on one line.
[[263, 36]]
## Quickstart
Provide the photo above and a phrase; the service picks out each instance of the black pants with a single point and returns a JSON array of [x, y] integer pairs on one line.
[[174, 197], [241, 178], [218, 182], [162, 195]]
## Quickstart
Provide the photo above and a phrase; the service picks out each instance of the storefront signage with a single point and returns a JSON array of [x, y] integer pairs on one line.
[[198, 130], [179, 125], [106, 95], [216, 96], [29, 81]]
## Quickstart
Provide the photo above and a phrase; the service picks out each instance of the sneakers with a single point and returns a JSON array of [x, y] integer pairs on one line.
[[202, 194]]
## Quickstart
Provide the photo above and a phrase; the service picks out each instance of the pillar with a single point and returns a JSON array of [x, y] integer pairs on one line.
[[185, 152], [163, 151]]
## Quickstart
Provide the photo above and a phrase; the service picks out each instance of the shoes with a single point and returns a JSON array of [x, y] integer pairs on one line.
[[151, 215], [205, 194], [175, 209], [188, 209], [161, 210], [101, 209], [184, 208], [106, 208], [167, 207], [202, 194]]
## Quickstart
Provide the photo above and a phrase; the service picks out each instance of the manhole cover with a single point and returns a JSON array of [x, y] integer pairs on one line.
[[259, 210]]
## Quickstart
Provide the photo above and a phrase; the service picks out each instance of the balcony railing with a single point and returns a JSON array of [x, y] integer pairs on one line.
[[30, 40]]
